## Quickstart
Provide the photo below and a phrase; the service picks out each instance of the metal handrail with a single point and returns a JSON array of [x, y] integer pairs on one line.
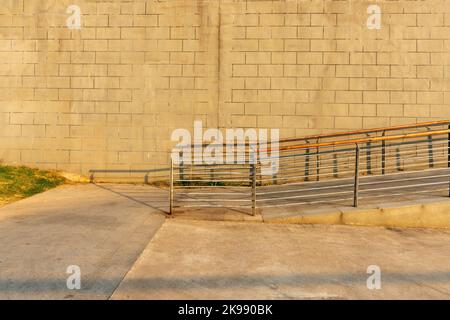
[[367, 131], [341, 134], [214, 178], [364, 140]]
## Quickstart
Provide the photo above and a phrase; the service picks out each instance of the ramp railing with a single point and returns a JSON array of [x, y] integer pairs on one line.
[[339, 169]]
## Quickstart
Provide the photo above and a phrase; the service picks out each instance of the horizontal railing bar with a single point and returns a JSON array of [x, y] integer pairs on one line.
[[303, 176], [366, 140], [364, 156], [362, 177], [367, 156], [365, 131], [212, 172], [305, 196], [315, 153], [217, 200], [292, 177], [417, 150], [199, 175], [403, 194], [214, 193], [423, 163], [308, 202], [188, 187], [333, 135], [415, 142], [212, 206], [372, 149], [209, 180], [351, 185], [232, 166], [407, 186], [346, 199]]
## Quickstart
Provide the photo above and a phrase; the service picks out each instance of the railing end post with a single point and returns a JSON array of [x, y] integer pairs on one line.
[[356, 185], [171, 187], [253, 186]]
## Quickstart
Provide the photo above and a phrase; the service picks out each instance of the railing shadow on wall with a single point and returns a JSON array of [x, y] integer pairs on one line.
[[339, 168], [152, 176]]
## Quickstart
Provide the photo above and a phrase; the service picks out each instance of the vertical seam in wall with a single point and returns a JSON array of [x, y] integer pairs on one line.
[[219, 68]]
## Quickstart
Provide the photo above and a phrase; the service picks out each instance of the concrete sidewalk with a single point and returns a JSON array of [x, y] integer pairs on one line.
[[100, 230], [229, 260], [110, 232]]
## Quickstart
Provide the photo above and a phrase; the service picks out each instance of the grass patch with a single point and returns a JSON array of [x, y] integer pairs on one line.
[[21, 182]]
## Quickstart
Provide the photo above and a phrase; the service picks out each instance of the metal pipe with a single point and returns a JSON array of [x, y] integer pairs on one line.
[[362, 140], [340, 186], [383, 155], [317, 163], [356, 186], [335, 166], [181, 165], [430, 151], [369, 158], [307, 165], [398, 159], [340, 134], [341, 151], [274, 173], [171, 188], [253, 176]]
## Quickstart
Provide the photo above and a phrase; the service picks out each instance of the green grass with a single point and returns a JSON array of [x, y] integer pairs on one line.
[[20, 182]]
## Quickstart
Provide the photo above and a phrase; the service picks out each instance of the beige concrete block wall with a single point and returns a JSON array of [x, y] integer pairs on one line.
[[109, 95]]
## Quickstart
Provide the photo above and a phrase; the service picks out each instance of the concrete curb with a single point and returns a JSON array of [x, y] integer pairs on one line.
[[413, 214]]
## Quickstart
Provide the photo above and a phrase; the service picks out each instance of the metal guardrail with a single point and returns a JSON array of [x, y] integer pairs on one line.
[[338, 172]]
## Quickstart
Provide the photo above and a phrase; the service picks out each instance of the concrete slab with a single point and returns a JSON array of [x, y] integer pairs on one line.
[[433, 212], [101, 231], [232, 260]]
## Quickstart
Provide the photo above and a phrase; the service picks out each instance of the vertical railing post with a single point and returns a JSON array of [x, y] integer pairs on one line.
[[274, 173], [317, 164], [430, 152], [253, 182], [448, 156], [335, 166], [398, 159], [317, 161], [356, 186], [212, 176], [253, 173], [307, 164], [171, 187], [181, 166], [369, 157], [383, 155]]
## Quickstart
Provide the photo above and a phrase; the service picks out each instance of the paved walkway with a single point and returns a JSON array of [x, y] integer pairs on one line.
[[100, 231], [234, 260], [126, 249]]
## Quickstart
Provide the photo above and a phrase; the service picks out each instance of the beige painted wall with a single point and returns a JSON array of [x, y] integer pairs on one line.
[[109, 95]]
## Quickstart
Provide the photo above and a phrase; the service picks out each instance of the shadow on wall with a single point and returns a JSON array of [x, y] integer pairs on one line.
[[154, 176]]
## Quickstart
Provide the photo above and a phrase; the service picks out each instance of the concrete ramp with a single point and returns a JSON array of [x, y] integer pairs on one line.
[[393, 203]]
